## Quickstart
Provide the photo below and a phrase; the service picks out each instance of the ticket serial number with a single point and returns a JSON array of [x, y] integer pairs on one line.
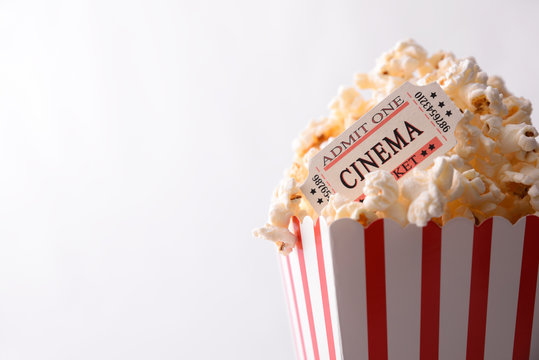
[[432, 111], [321, 186]]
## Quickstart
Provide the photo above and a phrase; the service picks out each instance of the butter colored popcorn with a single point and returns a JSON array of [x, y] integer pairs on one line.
[[519, 110], [517, 137], [427, 205], [315, 134], [492, 171], [340, 207], [285, 204], [382, 196], [381, 191]]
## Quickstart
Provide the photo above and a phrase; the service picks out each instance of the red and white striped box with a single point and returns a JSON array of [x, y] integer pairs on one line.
[[387, 292]]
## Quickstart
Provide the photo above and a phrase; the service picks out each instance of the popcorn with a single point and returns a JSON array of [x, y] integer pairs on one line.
[[285, 204], [348, 105], [516, 137], [441, 173], [533, 192], [467, 137], [381, 191], [392, 69], [492, 170], [486, 100], [429, 204], [316, 133], [282, 237], [439, 61], [402, 60], [457, 78], [339, 207], [519, 110], [498, 83], [492, 125]]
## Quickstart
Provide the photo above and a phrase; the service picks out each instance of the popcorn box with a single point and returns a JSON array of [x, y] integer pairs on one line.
[[386, 292]]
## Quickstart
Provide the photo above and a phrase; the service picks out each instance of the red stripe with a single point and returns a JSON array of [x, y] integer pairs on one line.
[[296, 305], [477, 317], [526, 293], [376, 291], [324, 288], [287, 293], [308, 305], [430, 291]]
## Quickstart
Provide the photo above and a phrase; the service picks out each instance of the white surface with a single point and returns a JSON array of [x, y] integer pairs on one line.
[[503, 288], [293, 309], [121, 236], [350, 291], [455, 281], [303, 311], [403, 256], [404, 259], [310, 254]]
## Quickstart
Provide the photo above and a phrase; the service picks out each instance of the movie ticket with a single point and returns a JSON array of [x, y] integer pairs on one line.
[[408, 129]]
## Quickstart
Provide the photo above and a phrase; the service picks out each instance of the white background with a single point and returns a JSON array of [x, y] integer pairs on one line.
[[140, 142]]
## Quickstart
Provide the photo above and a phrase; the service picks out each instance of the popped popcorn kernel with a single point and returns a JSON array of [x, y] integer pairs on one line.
[[493, 170], [381, 191]]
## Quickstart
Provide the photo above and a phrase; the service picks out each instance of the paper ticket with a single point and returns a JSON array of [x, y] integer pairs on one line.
[[408, 129]]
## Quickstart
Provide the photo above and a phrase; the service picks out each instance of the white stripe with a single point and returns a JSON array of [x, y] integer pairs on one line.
[[456, 265], [403, 290], [348, 249], [291, 307], [313, 277], [302, 308], [330, 278], [504, 279], [534, 350]]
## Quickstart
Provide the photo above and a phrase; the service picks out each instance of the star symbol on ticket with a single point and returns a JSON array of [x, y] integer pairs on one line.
[[406, 130]]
